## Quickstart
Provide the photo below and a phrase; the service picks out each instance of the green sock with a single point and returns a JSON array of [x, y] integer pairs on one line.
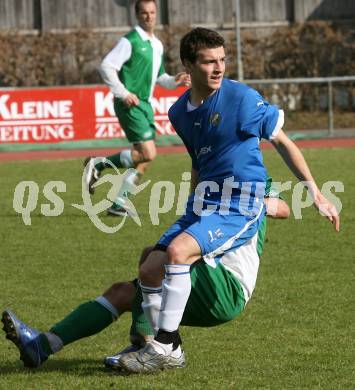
[[115, 159], [87, 319], [140, 324]]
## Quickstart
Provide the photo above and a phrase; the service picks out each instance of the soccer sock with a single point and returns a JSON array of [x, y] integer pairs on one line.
[[170, 342], [140, 324], [87, 319], [50, 342], [118, 160], [130, 180], [176, 291], [152, 298]]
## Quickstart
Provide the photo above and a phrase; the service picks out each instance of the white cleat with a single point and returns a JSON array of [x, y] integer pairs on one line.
[[148, 360], [113, 362], [91, 174]]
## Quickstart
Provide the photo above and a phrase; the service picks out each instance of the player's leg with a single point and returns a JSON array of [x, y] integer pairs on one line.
[[171, 257], [164, 261], [138, 125], [232, 233], [87, 319], [164, 303], [142, 154], [141, 330]]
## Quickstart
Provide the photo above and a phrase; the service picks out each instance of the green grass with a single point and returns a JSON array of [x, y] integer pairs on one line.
[[296, 332]]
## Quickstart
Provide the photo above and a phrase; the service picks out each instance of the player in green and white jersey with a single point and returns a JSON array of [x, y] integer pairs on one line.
[[93, 316], [131, 70]]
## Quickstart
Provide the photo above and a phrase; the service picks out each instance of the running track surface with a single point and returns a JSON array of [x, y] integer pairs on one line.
[[79, 153]]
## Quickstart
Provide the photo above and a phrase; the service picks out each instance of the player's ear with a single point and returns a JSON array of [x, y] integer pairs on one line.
[[187, 65]]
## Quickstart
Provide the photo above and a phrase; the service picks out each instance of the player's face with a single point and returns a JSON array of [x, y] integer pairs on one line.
[[147, 16], [208, 69]]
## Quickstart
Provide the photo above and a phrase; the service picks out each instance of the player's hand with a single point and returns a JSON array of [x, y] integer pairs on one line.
[[327, 209], [182, 79], [131, 100]]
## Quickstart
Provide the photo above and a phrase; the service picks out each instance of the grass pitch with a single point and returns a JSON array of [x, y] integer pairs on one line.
[[296, 332]]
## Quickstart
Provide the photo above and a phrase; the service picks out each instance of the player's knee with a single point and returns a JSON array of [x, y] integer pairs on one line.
[[145, 253], [149, 155], [151, 272], [175, 254], [146, 274], [120, 295]]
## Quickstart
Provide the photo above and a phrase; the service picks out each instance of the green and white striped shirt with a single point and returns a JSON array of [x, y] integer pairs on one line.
[[135, 65]]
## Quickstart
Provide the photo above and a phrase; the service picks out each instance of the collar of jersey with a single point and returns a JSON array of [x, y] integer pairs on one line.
[[143, 34], [202, 106]]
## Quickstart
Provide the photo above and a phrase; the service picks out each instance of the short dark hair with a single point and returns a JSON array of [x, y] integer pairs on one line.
[[138, 4], [197, 39]]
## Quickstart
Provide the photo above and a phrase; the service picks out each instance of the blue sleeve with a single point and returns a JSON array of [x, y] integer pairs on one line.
[[257, 117]]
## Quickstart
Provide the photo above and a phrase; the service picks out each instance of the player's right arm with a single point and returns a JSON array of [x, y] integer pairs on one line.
[[111, 65]]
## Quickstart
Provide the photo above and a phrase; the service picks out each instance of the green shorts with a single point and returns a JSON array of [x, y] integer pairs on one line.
[[216, 296], [137, 122]]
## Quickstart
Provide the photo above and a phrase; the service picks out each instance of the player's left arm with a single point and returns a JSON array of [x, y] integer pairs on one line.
[[293, 157]]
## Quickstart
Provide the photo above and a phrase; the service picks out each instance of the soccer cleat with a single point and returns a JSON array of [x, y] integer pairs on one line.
[[113, 362], [116, 210], [91, 174], [148, 360], [25, 338]]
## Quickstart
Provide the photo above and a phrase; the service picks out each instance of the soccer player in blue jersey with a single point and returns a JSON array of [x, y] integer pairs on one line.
[[221, 123]]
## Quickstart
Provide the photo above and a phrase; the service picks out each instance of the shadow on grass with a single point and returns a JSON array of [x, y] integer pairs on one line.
[[79, 367]]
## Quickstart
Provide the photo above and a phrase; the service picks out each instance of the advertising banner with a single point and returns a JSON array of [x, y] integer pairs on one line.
[[54, 115]]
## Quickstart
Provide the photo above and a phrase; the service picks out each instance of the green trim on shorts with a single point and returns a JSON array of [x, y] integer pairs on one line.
[[137, 122], [216, 296], [261, 236]]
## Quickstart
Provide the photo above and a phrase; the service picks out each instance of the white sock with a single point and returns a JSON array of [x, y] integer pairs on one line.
[[126, 158], [55, 342], [176, 291], [151, 304], [162, 349], [130, 180]]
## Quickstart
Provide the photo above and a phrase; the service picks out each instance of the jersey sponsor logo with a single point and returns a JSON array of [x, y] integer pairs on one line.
[[203, 150], [215, 119], [215, 235], [260, 103]]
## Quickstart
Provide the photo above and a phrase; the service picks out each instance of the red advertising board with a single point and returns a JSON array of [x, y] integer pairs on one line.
[[52, 115]]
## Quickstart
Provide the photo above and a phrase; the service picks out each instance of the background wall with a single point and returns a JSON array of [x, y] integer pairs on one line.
[[50, 15]]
